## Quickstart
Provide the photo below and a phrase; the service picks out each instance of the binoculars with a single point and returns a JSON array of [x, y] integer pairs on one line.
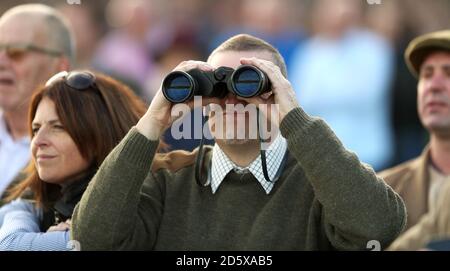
[[246, 81]]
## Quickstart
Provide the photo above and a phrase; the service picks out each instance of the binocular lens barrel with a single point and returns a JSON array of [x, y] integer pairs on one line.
[[178, 87], [248, 81]]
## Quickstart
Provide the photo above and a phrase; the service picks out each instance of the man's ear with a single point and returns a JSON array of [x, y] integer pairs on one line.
[[63, 64]]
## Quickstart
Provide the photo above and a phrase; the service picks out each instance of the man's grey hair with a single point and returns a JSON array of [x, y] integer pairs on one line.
[[58, 30]]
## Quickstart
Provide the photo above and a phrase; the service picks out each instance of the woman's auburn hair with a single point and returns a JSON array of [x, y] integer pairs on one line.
[[96, 118]]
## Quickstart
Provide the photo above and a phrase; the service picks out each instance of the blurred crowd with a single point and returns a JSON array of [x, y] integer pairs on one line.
[[139, 41]]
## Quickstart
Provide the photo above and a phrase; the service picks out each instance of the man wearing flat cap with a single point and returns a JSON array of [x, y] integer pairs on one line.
[[424, 182]]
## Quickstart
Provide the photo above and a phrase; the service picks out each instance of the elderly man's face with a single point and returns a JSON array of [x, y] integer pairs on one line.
[[434, 93], [234, 122], [21, 73]]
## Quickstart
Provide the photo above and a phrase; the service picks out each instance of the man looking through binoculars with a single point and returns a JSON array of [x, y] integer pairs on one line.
[[315, 195]]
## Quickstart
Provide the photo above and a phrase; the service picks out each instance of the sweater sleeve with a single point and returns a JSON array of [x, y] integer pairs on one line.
[[110, 216], [357, 205]]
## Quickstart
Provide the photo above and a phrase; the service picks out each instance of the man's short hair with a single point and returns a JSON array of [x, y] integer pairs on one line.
[[245, 43], [59, 32]]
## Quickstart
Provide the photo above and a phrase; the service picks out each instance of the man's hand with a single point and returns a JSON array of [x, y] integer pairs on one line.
[[282, 92], [158, 116]]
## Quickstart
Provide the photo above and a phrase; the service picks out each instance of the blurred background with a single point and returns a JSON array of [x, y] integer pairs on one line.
[[345, 57]]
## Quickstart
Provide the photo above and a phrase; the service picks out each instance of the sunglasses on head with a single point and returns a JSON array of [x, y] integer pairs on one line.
[[79, 80], [17, 51]]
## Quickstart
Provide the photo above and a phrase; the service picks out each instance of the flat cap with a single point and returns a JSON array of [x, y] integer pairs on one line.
[[419, 48]]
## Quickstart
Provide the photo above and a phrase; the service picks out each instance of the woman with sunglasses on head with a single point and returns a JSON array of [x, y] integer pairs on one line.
[[75, 120]]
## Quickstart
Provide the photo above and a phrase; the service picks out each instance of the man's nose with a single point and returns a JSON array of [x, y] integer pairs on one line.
[[436, 83], [232, 99], [3, 57]]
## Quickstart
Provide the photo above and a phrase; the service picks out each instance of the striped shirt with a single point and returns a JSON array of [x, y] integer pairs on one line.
[[14, 155], [19, 229], [222, 165]]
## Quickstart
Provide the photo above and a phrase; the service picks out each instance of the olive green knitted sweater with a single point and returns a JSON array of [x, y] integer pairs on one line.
[[325, 199]]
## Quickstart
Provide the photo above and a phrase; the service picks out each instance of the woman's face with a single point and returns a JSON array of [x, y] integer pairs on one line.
[[55, 154]]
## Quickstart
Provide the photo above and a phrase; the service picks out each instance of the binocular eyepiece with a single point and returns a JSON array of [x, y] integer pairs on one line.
[[246, 81]]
